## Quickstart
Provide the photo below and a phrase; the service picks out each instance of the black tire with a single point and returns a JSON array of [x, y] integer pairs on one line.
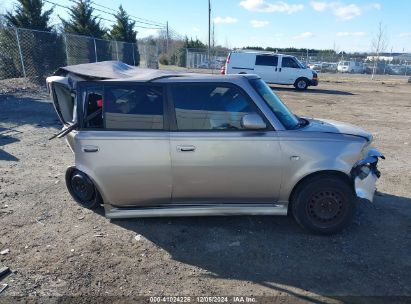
[[323, 204], [82, 189], [301, 84]]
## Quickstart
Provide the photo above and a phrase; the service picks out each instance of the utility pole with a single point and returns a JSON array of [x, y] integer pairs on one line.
[[167, 39], [213, 37], [213, 53], [209, 32]]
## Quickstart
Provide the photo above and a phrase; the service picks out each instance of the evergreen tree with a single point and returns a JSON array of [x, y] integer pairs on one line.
[[29, 14], [40, 52], [123, 30], [82, 21], [180, 56]]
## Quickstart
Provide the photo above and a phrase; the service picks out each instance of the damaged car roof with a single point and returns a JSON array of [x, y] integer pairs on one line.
[[117, 70]]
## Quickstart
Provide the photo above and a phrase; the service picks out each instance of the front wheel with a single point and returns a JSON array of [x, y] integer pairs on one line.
[[323, 204], [301, 84]]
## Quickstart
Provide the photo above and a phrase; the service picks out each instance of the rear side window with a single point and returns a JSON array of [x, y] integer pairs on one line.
[[133, 107], [267, 60], [93, 102], [289, 62], [210, 107]]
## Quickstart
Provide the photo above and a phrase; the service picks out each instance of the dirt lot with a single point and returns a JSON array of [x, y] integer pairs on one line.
[[59, 249]]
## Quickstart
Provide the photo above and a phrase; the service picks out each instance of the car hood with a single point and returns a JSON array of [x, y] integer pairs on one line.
[[336, 127]]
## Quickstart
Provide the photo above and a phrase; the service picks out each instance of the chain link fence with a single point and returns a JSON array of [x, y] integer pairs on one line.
[[198, 59], [323, 62], [327, 62], [31, 53]]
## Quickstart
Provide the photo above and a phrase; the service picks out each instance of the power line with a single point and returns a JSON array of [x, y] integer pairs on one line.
[[152, 22], [112, 14], [99, 17]]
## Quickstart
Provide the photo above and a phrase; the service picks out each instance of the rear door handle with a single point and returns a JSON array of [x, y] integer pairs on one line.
[[90, 149], [186, 148]]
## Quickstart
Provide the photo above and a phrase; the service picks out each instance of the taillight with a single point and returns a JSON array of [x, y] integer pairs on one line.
[[222, 71], [228, 58]]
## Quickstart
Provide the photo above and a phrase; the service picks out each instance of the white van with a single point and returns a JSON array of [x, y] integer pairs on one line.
[[271, 67], [350, 67]]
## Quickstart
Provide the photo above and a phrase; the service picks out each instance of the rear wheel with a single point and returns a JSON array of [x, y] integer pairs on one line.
[[301, 84], [323, 204], [82, 189]]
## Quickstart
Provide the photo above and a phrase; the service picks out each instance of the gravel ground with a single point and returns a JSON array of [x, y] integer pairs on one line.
[[59, 249]]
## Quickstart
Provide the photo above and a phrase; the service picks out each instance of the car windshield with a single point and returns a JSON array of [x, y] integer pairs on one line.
[[287, 118], [302, 65]]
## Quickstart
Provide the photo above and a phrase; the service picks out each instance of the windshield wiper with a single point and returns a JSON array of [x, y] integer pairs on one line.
[[301, 123]]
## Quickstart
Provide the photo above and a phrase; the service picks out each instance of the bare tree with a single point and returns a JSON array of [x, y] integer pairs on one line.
[[378, 45]]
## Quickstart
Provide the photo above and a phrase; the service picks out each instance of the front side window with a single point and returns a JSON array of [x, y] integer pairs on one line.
[[209, 107], [286, 117], [289, 62], [131, 107], [267, 60]]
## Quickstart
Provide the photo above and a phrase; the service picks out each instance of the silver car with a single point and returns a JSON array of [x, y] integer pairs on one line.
[[154, 143]]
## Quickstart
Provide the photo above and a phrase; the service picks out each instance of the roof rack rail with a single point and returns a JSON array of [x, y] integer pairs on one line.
[[164, 76]]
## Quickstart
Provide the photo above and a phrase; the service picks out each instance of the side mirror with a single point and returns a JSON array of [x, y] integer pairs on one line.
[[253, 122]]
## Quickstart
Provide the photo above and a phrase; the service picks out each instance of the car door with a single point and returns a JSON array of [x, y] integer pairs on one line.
[[289, 70], [266, 66], [126, 150], [214, 159]]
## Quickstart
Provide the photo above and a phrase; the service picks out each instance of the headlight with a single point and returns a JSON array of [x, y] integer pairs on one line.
[[363, 172]]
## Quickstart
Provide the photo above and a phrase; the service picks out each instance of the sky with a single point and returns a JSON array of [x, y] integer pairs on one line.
[[341, 25]]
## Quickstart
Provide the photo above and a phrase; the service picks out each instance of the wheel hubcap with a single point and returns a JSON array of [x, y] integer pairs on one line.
[[82, 188], [326, 207], [301, 84]]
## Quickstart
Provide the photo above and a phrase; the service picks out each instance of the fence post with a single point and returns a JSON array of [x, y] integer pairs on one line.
[[21, 55], [95, 48], [134, 58], [117, 50], [66, 47], [145, 55]]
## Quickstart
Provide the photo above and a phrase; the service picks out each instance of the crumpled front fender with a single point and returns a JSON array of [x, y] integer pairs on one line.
[[365, 174]]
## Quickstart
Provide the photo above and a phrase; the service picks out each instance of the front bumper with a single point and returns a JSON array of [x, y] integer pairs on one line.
[[314, 82], [365, 174]]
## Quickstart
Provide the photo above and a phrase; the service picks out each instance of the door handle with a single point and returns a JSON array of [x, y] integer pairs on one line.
[[280, 69], [186, 148], [90, 149], [276, 69]]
